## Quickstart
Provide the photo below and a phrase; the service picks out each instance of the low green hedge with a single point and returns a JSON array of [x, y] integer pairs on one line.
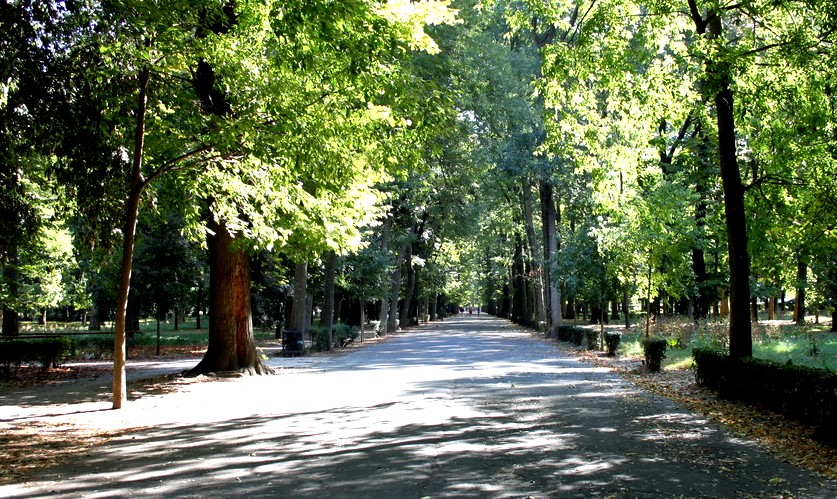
[[654, 350], [612, 340], [579, 336], [803, 393], [342, 335], [45, 351]]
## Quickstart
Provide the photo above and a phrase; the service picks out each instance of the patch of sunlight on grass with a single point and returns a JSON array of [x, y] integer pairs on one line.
[[813, 350], [686, 362], [631, 345], [784, 346]]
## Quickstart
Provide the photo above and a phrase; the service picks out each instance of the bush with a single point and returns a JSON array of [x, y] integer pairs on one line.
[[45, 351], [565, 333], [655, 352], [51, 351], [342, 335], [579, 336], [612, 340], [92, 346], [799, 392]]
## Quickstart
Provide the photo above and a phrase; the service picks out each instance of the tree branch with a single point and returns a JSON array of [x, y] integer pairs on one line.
[[167, 166], [771, 179]]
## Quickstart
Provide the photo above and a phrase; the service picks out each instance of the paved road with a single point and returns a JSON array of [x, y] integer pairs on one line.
[[468, 408]]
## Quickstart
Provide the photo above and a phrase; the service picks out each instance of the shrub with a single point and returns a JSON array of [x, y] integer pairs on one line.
[[342, 335], [592, 339], [799, 392], [565, 333], [50, 351], [655, 352], [45, 351], [93, 346], [612, 340]]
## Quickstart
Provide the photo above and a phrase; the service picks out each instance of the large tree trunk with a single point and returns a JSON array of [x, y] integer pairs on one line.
[[551, 257], [11, 318], [136, 186], [232, 346], [740, 328], [395, 293], [300, 318], [327, 317], [801, 285], [537, 270]]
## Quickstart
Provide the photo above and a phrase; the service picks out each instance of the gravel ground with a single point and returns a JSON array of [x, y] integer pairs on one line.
[[471, 407]]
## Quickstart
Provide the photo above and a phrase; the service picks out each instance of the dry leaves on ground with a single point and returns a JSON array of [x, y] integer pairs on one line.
[[789, 440], [27, 449]]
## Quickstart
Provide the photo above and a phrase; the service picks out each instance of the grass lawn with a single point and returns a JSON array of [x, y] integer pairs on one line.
[[781, 341], [100, 346]]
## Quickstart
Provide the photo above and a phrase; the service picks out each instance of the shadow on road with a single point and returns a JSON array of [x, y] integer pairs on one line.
[[471, 408]]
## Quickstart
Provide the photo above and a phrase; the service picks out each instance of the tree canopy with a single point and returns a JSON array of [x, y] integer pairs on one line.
[[539, 159]]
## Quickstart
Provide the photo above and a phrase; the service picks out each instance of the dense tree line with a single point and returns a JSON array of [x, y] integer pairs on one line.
[[391, 161]]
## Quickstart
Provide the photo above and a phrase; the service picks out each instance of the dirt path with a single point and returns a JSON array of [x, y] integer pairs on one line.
[[472, 407]]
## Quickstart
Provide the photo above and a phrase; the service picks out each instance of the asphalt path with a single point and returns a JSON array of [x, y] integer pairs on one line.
[[470, 407]]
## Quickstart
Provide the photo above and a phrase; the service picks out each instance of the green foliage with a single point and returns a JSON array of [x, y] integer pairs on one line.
[[654, 350], [48, 352], [612, 341], [342, 335], [803, 393], [92, 347]]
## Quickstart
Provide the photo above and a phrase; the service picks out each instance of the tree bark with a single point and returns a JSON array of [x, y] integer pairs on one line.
[[383, 317], [537, 269], [129, 229], [519, 301], [801, 285], [198, 304], [327, 317], [232, 346], [740, 328], [551, 257], [395, 292], [11, 317], [626, 308], [300, 304], [406, 306]]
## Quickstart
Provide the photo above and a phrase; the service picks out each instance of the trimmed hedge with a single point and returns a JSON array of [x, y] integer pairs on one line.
[[579, 336], [802, 393], [612, 340], [655, 351], [342, 335], [45, 351]]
